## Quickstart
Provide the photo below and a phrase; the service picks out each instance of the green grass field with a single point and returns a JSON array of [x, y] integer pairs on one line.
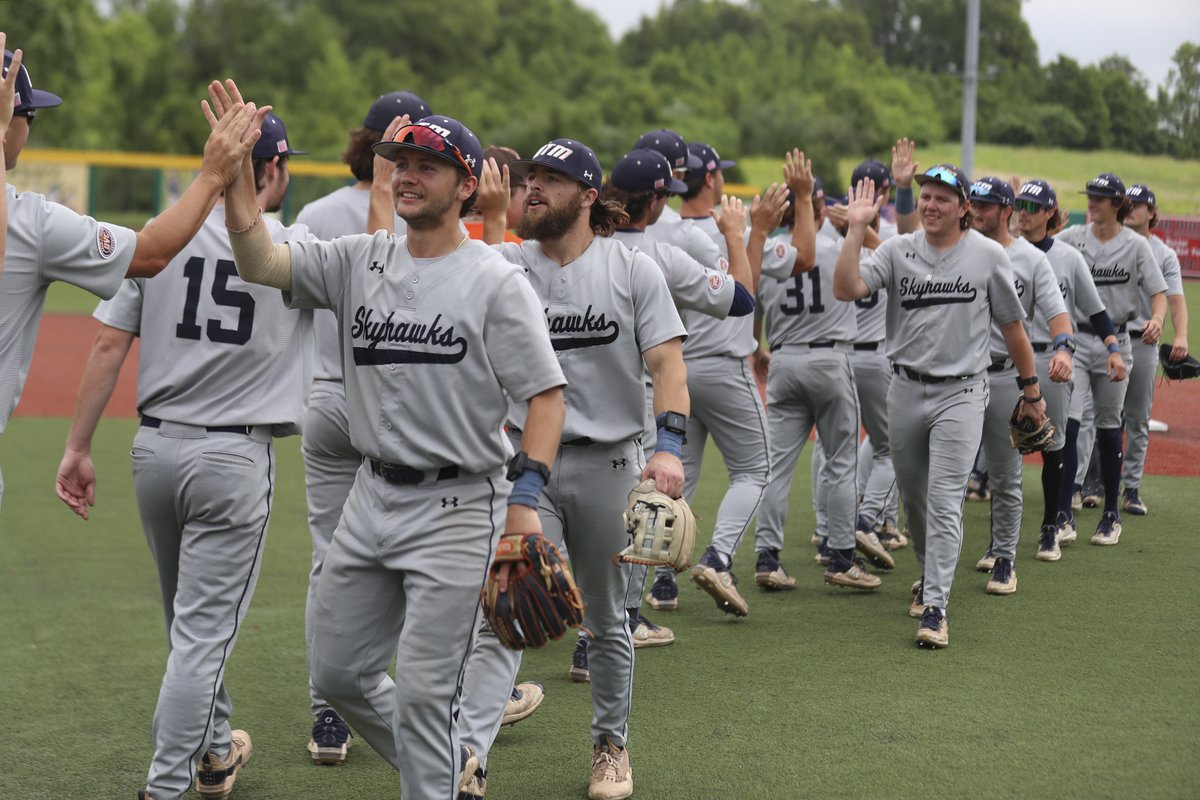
[[1080, 686], [1173, 181]]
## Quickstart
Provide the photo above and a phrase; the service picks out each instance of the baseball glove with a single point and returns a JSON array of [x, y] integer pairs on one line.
[[1027, 436], [663, 530], [1177, 370], [541, 600]]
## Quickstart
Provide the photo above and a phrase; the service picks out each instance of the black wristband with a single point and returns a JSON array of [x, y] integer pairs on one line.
[[521, 462], [1030, 381]]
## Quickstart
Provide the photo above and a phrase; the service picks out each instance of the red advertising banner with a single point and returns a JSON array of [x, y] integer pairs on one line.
[[1182, 234]]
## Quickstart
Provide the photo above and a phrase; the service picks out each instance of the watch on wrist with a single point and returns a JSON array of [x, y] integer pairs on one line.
[[1030, 381], [1066, 343], [521, 462], [672, 421]]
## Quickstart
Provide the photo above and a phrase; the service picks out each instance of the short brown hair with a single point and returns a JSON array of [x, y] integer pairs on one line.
[[358, 154]]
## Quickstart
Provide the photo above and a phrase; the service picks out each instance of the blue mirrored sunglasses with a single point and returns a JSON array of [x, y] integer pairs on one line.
[[942, 174]]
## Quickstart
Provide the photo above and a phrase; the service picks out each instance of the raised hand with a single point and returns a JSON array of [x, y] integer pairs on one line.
[[8, 87], [491, 198], [904, 163], [730, 217], [232, 138], [797, 174], [863, 205], [767, 210]]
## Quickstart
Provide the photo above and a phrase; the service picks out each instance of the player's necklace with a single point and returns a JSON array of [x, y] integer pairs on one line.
[[461, 242]]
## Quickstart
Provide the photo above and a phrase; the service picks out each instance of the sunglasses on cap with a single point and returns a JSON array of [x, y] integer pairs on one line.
[[425, 137], [942, 174], [1031, 207]]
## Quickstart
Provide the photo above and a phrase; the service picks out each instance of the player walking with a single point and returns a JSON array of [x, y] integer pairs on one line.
[[946, 284], [222, 369]]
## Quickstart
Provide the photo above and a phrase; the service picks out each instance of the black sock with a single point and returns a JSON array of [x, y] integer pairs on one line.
[[1108, 442], [1070, 464], [1052, 479]]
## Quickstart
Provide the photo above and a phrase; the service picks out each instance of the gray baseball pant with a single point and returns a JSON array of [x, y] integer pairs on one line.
[[1093, 388], [1003, 463], [935, 431], [1139, 398], [330, 464], [872, 377], [1058, 400], [402, 579], [205, 502]]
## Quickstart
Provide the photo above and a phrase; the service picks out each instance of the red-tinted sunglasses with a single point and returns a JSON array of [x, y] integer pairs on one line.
[[428, 139]]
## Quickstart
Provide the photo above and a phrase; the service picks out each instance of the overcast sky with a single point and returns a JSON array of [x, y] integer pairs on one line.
[[1147, 32]]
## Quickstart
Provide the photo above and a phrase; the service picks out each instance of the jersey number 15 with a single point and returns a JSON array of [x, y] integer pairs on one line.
[[222, 295]]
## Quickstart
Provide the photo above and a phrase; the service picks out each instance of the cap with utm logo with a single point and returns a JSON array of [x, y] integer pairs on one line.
[[1039, 192], [992, 190], [567, 156], [444, 137], [1140, 193], [1106, 184]]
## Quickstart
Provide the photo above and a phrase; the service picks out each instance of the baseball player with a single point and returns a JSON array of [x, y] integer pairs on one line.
[[671, 228], [811, 383], [222, 369], [441, 331], [641, 181], [946, 284], [499, 157], [992, 202], [48, 242], [1038, 212], [330, 460], [1143, 216], [609, 312], [1125, 272]]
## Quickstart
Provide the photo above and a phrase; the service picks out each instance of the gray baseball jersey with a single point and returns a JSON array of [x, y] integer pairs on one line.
[[1123, 269], [1037, 289], [1075, 283], [683, 233], [402, 317], [216, 350], [337, 214], [802, 308], [604, 310], [872, 309], [49, 242], [935, 298], [692, 285]]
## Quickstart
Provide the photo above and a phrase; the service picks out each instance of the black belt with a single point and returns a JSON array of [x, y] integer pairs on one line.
[[999, 365], [1135, 334], [243, 430], [867, 347], [582, 441], [408, 476], [1086, 328], [809, 345], [921, 377], [1040, 347]]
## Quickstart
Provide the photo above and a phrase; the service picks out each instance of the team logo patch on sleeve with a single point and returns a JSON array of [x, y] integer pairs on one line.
[[106, 241], [780, 250], [715, 282], [723, 263]]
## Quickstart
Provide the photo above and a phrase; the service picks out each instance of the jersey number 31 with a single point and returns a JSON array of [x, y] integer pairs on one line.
[[222, 295]]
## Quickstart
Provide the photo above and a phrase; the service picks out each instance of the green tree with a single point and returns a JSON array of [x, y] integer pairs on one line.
[[1179, 101]]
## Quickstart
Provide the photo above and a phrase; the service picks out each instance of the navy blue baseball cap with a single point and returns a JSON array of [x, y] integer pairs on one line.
[[395, 104], [671, 145], [992, 190], [28, 98], [1106, 184], [444, 137], [873, 170], [273, 141], [1040, 192], [645, 170], [818, 189], [947, 175], [569, 157], [710, 160], [1140, 193]]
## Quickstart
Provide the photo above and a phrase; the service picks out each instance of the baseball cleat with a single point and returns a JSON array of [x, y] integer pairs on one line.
[[823, 554], [851, 575], [525, 699], [1048, 549], [1004, 578], [469, 774], [612, 776], [720, 583], [933, 632], [1108, 532], [144, 795], [987, 563], [664, 594], [891, 537], [1132, 502], [647, 634], [330, 739], [579, 662], [867, 543], [1066, 530], [917, 606], [1077, 501], [977, 491], [214, 776], [770, 574], [1093, 500], [816, 538]]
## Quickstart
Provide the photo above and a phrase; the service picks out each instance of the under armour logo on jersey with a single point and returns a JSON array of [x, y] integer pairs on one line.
[[911, 255], [376, 267], [620, 463], [553, 150], [449, 502]]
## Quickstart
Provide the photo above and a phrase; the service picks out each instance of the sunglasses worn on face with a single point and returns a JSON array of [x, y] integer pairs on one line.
[[424, 137], [30, 115], [1030, 206]]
